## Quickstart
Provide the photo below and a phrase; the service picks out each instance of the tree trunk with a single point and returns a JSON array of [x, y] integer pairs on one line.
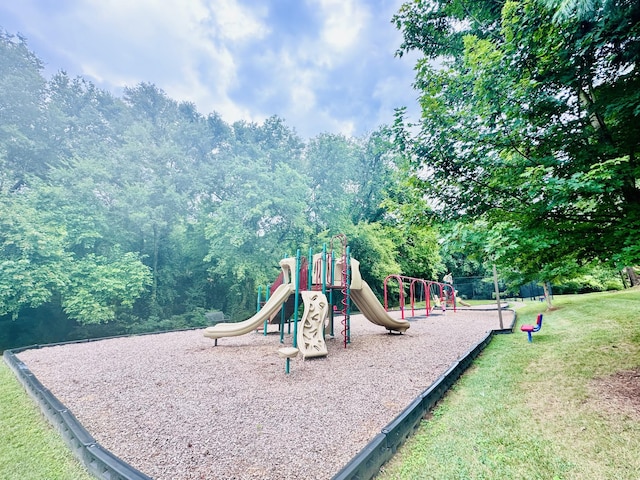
[[154, 287], [547, 295], [623, 278], [633, 276]]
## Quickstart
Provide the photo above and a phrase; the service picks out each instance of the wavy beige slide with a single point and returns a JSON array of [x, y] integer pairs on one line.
[[240, 328], [369, 305]]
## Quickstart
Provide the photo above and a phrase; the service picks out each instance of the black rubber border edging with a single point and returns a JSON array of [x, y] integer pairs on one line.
[[104, 465], [366, 464], [99, 461]]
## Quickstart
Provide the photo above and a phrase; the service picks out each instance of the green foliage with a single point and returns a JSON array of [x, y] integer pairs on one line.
[[463, 249], [193, 319], [375, 249], [98, 286], [22, 123], [522, 260], [596, 279], [33, 257], [138, 213], [419, 252], [45, 256], [530, 124], [533, 410]]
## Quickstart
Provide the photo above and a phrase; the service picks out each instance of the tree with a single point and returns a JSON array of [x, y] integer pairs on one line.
[[255, 210], [373, 246], [374, 175], [83, 121], [153, 180], [329, 163], [48, 254], [23, 129], [530, 119], [349, 178]]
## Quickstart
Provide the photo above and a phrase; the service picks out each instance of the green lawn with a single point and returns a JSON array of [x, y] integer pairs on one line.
[[541, 410], [522, 411], [29, 447]]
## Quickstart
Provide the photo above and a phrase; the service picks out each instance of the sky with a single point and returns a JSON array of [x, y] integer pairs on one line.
[[321, 65]]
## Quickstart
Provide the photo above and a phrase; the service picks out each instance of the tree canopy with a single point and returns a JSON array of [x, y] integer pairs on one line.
[[138, 213], [132, 213], [530, 123]]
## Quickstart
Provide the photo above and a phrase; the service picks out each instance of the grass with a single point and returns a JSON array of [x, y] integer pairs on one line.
[[530, 410], [29, 447], [523, 410]]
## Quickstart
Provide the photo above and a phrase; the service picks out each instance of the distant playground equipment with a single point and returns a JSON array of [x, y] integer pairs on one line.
[[448, 279], [435, 294], [328, 283], [462, 302], [532, 328]]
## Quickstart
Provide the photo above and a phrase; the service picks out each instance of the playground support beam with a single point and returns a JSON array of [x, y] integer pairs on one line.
[[331, 296], [345, 287], [324, 268], [425, 292], [259, 304], [347, 314], [401, 292], [310, 269]]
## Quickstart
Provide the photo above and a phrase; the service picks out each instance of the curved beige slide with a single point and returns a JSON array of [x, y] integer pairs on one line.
[[240, 328], [369, 305]]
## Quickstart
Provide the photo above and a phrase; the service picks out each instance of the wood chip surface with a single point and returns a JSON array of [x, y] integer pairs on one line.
[[175, 407]]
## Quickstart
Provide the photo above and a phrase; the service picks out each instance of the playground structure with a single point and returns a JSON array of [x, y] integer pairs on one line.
[[327, 283], [442, 294]]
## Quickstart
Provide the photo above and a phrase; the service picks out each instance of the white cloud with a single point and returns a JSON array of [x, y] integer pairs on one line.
[[236, 22], [186, 48], [323, 65], [343, 22], [303, 97], [293, 75]]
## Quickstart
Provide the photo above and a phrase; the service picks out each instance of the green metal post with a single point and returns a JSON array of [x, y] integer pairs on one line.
[[282, 324], [266, 299], [296, 301], [324, 268], [296, 289], [258, 307]]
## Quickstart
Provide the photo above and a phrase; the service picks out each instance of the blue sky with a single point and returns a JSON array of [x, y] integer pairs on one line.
[[322, 65]]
